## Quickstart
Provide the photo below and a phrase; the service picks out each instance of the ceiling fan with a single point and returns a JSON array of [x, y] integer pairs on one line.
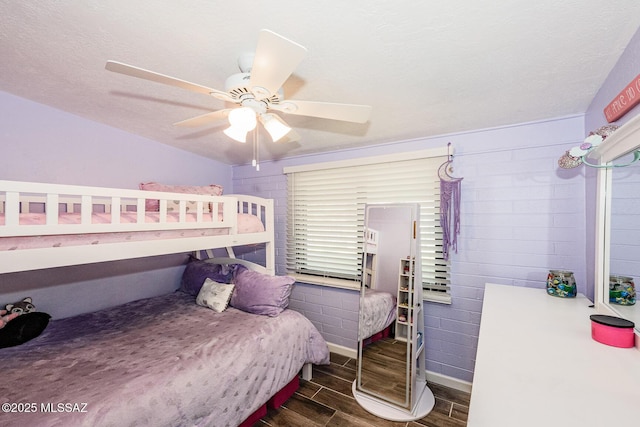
[[257, 89]]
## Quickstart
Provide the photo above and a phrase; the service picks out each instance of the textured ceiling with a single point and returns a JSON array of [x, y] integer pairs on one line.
[[426, 67]]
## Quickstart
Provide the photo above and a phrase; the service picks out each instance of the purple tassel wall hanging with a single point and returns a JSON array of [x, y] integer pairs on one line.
[[450, 192]]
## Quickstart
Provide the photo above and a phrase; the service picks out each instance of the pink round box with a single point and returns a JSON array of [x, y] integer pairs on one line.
[[612, 331]]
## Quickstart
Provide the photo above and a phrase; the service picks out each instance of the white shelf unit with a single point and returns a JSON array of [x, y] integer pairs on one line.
[[406, 298], [410, 322]]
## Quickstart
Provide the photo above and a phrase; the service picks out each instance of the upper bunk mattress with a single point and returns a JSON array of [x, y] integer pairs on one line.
[[246, 224]]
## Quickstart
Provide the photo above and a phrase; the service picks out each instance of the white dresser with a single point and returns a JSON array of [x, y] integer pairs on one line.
[[537, 365]]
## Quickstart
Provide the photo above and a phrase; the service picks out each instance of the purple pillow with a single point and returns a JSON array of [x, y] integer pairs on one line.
[[197, 271], [259, 293]]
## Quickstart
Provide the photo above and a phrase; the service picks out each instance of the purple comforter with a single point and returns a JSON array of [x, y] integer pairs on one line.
[[377, 311], [161, 361]]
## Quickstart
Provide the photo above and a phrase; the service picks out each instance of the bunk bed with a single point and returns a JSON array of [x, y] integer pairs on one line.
[[51, 225], [161, 361], [377, 308]]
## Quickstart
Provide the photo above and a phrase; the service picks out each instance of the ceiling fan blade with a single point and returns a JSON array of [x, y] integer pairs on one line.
[[275, 59], [204, 118], [326, 110], [130, 70]]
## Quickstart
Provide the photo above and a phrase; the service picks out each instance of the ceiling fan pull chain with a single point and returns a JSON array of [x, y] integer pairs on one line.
[[257, 140], [254, 161], [256, 150]]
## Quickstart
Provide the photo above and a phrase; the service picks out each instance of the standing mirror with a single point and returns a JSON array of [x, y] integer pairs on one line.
[[390, 380], [618, 243]]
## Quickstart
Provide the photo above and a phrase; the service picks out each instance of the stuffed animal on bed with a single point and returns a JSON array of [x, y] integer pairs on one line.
[[19, 323], [11, 311], [21, 307]]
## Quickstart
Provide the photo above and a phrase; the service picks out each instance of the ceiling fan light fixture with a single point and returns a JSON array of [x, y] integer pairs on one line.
[[237, 133], [276, 128], [243, 118], [258, 88]]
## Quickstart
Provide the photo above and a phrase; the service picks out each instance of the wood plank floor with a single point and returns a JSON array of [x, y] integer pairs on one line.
[[326, 400], [384, 368]]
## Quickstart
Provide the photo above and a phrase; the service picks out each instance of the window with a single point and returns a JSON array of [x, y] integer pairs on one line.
[[326, 205]]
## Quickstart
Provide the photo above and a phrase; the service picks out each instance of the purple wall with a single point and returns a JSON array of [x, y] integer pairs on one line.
[[42, 144], [627, 67], [521, 216]]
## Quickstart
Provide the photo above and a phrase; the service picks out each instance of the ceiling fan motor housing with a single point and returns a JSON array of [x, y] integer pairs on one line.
[[239, 87]]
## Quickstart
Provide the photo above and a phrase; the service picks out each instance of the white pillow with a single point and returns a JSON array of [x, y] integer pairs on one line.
[[214, 295]]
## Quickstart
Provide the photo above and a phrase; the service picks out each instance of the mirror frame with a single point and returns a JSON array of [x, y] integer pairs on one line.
[[421, 400], [623, 141], [414, 242]]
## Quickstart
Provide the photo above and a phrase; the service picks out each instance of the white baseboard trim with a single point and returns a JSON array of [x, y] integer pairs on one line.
[[342, 350], [435, 377], [448, 381]]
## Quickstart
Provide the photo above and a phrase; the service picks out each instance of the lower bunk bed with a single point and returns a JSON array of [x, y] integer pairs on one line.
[[166, 360], [378, 308], [377, 315]]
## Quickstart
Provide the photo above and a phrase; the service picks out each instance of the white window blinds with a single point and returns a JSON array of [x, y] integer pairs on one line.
[[326, 205]]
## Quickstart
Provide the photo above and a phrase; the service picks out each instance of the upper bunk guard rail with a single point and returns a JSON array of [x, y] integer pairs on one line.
[[252, 205], [55, 199], [371, 240]]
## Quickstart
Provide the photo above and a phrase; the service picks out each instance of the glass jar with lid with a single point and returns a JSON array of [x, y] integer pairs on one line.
[[561, 283], [622, 290]]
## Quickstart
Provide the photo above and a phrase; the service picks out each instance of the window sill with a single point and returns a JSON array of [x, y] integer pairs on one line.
[[438, 297], [326, 281]]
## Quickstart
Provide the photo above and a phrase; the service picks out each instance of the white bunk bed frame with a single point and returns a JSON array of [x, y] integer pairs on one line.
[[371, 240], [17, 197]]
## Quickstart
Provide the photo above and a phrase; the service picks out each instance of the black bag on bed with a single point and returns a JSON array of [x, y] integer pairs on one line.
[[23, 328]]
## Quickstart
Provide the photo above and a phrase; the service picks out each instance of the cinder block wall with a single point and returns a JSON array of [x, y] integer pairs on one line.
[[521, 216]]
